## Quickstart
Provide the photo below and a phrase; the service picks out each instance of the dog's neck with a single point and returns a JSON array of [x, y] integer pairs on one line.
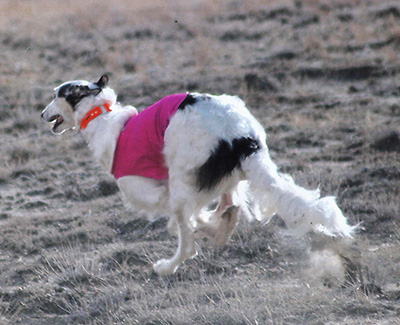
[[102, 132], [87, 105], [93, 113]]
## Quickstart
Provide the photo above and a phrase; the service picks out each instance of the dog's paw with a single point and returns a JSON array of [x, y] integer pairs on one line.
[[164, 267], [191, 252], [227, 225]]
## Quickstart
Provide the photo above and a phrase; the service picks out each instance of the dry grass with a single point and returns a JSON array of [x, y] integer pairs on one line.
[[70, 253]]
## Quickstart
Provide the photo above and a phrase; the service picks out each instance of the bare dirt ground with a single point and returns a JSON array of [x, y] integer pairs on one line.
[[324, 79]]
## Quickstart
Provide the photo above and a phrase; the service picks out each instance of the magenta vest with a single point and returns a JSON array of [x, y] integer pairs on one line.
[[139, 150]]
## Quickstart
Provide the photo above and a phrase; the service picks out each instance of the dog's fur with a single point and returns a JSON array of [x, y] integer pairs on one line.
[[214, 149]]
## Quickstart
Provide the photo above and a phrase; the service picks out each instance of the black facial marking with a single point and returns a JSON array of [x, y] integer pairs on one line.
[[225, 158], [73, 93], [189, 100], [64, 90]]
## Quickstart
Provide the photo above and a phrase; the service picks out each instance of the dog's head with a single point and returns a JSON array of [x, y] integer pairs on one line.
[[68, 97]]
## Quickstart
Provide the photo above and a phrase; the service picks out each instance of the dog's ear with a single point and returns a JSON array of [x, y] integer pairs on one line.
[[103, 81]]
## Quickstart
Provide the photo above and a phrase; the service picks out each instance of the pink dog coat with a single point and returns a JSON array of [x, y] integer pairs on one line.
[[139, 149]]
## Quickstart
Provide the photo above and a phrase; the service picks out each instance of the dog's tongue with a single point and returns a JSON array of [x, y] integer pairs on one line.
[[57, 122]]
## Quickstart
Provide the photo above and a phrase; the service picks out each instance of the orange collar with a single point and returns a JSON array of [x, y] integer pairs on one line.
[[92, 114]]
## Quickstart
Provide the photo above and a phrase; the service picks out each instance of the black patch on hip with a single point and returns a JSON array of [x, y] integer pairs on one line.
[[189, 100], [224, 159]]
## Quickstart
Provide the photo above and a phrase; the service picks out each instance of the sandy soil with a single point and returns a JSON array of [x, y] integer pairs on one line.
[[324, 79]]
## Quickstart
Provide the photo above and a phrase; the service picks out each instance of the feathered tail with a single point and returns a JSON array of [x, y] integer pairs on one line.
[[301, 209]]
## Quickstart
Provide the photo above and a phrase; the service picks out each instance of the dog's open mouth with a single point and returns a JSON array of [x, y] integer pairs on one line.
[[57, 120]]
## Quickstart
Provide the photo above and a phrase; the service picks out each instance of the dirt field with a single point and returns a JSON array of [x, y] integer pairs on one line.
[[324, 79]]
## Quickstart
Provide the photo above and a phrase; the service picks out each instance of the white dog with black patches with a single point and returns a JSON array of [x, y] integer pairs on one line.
[[183, 153]]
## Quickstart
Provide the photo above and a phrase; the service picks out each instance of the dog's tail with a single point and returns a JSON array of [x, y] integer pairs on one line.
[[301, 209]]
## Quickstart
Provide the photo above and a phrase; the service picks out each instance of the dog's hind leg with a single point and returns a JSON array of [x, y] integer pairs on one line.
[[222, 222]]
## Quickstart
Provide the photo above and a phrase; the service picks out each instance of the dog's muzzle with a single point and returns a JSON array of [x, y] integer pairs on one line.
[[56, 119]]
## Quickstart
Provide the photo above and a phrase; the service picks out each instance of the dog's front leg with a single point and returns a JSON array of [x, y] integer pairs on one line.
[[186, 248]]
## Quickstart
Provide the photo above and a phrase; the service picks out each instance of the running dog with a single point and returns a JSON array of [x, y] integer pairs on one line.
[[183, 153]]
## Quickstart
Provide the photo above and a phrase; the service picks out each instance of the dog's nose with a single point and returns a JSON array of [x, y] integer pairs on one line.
[[43, 112]]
